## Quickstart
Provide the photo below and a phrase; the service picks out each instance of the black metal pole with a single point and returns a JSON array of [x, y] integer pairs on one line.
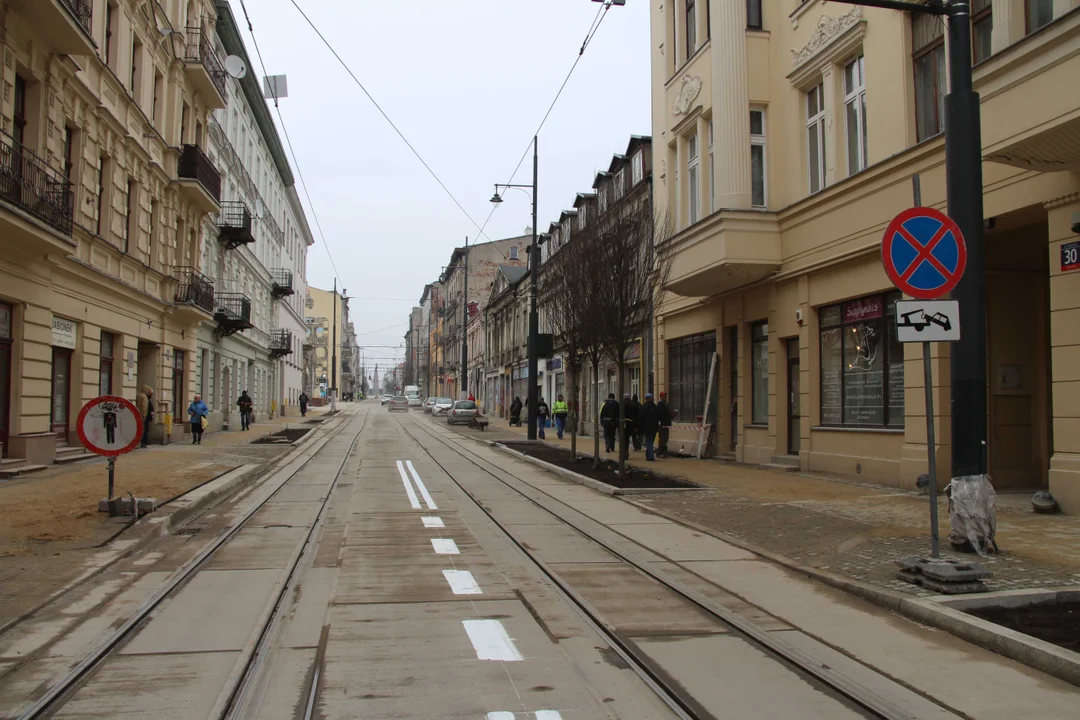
[[963, 176], [534, 317], [465, 324]]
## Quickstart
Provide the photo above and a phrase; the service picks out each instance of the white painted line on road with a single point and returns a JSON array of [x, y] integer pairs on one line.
[[420, 484], [500, 716], [548, 715], [490, 640], [462, 582], [444, 546], [540, 715], [408, 487], [433, 522]]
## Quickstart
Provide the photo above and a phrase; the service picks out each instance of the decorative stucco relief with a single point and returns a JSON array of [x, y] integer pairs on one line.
[[827, 30], [691, 88]]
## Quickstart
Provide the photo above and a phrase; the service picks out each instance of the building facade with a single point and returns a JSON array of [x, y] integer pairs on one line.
[[506, 326], [327, 316], [782, 150], [290, 330]]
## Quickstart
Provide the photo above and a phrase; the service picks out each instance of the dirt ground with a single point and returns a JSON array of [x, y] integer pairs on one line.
[[1057, 623], [607, 472]]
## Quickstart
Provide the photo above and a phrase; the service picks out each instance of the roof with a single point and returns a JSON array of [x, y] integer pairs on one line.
[[616, 163], [513, 273], [600, 178], [583, 198], [637, 141]]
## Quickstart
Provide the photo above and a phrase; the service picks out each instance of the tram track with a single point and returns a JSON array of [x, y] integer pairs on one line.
[[239, 682], [678, 699]]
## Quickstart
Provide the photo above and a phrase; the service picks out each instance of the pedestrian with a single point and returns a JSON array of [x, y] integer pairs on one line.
[[303, 404], [145, 403], [541, 417], [472, 397], [515, 412], [561, 411], [197, 412], [664, 411], [635, 431], [609, 420], [245, 405], [629, 414], [648, 423]]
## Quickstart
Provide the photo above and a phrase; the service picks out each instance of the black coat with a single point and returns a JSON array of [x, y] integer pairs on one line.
[[630, 413], [609, 412], [648, 419], [515, 408], [664, 412]]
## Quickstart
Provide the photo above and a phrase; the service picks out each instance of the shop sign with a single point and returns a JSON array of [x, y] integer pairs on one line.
[[554, 364], [63, 332], [1070, 256], [865, 309]]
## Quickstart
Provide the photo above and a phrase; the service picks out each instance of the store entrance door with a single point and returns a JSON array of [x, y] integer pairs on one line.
[[61, 393], [794, 417]]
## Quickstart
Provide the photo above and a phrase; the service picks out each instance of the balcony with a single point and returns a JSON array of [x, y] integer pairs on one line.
[[234, 225], [64, 25], [39, 198], [232, 313], [728, 249], [281, 283], [199, 179], [204, 68], [281, 344], [194, 299]]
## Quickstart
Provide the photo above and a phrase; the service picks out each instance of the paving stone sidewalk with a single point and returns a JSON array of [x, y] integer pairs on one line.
[[855, 529]]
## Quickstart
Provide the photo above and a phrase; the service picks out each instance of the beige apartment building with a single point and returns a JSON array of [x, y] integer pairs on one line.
[[785, 138], [326, 319], [104, 185]]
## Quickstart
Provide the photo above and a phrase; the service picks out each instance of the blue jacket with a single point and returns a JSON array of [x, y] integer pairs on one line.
[[197, 410]]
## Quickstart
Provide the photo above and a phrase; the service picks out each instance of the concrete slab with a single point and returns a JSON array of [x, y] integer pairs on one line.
[[164, 687], [402, 528], [258, 548], [301, 493], [26, 684], [309, 614], [385, 501], [560, 544], [733, 680], [634, 603], [216, 611], [614, 512], [417, 660], [87, 635], [680, 543], [294, 514], [722, 597], [383, 578], [286, 690]]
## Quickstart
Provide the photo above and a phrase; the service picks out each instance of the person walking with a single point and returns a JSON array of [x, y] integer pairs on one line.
[[609, 420], [664, 412], [515, 412], [561, 411], [648, 423], [197, 412], [245, 405], [303, 399], [541, 417], [145, 403], [635, 431]]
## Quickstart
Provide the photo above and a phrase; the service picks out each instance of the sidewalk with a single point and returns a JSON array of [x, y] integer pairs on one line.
[[850, 528]]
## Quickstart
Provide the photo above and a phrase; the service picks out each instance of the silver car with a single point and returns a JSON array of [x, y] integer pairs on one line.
[[441, 406], [463, 411], [429, 404]]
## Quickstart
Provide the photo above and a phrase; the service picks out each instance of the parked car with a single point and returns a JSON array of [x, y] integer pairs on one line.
[[441, 406], [385, 399], [429, 404], [415, 401], [399, 402], [462, 411]]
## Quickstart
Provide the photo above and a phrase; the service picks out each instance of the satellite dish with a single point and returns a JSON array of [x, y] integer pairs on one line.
[[259, 208], [235, 66]]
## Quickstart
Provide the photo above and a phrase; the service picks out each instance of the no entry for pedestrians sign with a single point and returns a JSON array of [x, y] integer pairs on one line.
[[923, 252], [109, 425]]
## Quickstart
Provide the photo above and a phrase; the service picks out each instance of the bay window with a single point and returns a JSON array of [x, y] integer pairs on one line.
[[815, 137]]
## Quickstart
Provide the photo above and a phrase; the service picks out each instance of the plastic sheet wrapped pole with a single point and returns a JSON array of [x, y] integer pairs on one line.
[[972, 514]]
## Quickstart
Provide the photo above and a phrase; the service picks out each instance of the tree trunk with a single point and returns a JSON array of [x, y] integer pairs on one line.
[[596, 415], [624, 444], [572, 420]]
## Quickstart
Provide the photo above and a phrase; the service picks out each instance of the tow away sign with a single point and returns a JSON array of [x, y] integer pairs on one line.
[[928, 320]]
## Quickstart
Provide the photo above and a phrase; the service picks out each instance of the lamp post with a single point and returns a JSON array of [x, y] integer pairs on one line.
[[534, 317]]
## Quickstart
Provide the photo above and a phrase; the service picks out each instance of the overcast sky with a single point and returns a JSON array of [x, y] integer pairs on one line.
[[467, 82]]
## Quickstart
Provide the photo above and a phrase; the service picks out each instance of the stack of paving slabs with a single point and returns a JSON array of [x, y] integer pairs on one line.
[[948, 577]]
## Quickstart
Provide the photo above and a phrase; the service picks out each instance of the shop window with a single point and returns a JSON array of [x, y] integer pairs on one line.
[[759, 360], [689, 360], [105, 384], [862, 364]]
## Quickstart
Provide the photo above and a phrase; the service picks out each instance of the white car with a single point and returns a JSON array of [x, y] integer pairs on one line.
[[385, 399], [441, 406], [415, 401], [429, 404]]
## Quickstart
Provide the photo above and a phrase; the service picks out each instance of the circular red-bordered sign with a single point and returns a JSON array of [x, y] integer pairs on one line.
[[924, 253], [110, 425]]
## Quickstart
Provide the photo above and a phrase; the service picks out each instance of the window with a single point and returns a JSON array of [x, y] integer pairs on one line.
[[131, 226], [862, 364], [514, 253], [19, 111], [753, 14], [603, 198], [815, 137], [177, 384], [159, 97], [982, 25], [712, 171], [106, 364], [855, 114], [69, 152], [620, 184], [638, 169], [691, 28], [1039, 14], [928, 53], [759, 380], [692, 166], [689, 359], [757, 158], [581, 213], [154, 229], [104, 197], [136, 70]]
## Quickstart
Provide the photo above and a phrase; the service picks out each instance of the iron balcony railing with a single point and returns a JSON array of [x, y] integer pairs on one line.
[[199, 50], [194, 289], [194, 165], [234, 307], [27, 182], [281, 343], [281, 283], [234, 224], [83, 10]]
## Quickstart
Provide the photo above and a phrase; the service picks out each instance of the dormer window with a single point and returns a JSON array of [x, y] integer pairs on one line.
[[581, 218], [638, 170], [620, 183]]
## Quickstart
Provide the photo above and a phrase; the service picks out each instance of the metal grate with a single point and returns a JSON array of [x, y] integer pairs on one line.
[[28, 182], [194, 289], [194, 165], [199, 50]]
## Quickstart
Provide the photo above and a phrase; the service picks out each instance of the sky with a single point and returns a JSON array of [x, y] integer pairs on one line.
[[467, 82]]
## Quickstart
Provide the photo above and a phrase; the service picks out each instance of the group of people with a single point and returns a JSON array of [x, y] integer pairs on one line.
[[642, 422], [560, 411]]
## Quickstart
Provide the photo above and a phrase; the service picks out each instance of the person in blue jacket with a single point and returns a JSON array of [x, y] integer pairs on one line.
[[197, 410]]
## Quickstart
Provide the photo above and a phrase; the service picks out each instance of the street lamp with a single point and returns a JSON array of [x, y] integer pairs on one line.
[[534, 317]]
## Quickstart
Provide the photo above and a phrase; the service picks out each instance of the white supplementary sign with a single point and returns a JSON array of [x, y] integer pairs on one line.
[[63, 332], [928, 320]]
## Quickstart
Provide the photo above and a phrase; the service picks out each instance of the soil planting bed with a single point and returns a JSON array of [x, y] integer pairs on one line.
[[607, 473], [1057, 623], [282, 437]]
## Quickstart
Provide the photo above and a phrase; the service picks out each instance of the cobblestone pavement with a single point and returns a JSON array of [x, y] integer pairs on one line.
[[851, 528]]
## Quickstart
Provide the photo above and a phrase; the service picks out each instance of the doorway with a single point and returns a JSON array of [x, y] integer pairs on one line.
[[61, 394], [733, 383], [794, 426]]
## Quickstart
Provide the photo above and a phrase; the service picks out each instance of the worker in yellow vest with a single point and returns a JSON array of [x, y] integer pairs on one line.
[[561, 410]]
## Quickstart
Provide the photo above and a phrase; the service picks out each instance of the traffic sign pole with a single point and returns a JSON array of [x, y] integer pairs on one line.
[[931, 440]]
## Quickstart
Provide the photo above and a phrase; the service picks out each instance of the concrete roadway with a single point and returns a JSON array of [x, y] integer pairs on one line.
[[413, 603]]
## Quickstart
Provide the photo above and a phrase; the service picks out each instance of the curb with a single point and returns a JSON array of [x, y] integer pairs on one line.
[[1043, 656]]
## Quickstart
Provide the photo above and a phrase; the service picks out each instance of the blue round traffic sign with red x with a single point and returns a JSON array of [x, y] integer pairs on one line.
[[923, 252]]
